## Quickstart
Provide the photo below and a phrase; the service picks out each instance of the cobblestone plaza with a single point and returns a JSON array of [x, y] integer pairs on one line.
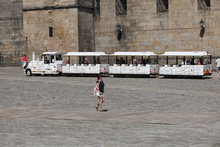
[[50, 111]]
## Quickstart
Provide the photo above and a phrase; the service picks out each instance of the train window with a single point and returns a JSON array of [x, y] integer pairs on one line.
[[162, 5], [46, 59], [97, 6], [59, 57], [52, 60]]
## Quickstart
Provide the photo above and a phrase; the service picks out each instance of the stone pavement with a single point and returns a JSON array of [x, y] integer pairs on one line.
[[59, 112]]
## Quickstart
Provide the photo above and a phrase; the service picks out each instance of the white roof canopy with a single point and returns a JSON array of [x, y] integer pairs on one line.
[[52, 53], [86, 54], [196, 53], [134, 54]]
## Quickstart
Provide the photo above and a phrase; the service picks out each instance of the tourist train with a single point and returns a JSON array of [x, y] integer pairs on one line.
[[145, 64]]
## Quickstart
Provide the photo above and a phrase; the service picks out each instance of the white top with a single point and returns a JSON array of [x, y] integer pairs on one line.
[[196, 53], [217, 62], [85, 54], [52, 53], [134, 54]]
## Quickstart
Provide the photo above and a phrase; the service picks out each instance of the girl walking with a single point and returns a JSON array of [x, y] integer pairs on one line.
[[100, 92]]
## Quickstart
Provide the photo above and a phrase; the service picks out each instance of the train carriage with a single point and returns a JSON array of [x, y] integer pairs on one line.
[[85, 63], [134, 63], [186, 64]]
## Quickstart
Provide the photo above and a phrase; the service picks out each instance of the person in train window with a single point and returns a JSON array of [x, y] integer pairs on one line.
[[122, 61], [117, 61], [187, 62], [198, 62], [67, 61], [46, 60], [192, 61], [135, 62], [86, 61], [183, 62]]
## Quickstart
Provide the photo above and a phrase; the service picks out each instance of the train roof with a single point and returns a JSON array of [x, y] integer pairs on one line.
[[193, 53], [133, 54], [52, 53], [86, 54]]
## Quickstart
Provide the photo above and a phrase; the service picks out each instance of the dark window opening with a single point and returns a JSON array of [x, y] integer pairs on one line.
[[204, 4], [50, 31], [162, 5], [97, 6], [121, 7], [52, 60], [59, 57]]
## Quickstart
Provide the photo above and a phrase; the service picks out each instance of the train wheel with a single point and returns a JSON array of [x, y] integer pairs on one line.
[[28, 72]]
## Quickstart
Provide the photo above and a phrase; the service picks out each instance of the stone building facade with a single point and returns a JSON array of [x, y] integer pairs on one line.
[[90, 25], [159, 25], [58, 25], [12, 41]]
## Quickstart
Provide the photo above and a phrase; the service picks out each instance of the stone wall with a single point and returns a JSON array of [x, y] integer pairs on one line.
[[86, 32], [65, 30], [145, 29], [12, 42], [72, 25], [33, 4], [77, 28], [86, 26]]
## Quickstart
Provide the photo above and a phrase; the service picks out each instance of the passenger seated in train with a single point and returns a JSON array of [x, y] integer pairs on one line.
[[144, 61], [86, 61], [46, 61], [117, 61], [147, 61], [67, 61], [153, 61], [197, 62], [192, 62], [122, 61], [187, 62], [135, 62], [98, 60], [183, 62]]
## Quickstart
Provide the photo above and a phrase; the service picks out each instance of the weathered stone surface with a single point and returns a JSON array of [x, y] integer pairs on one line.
[[65, 30], [146, 29], [46, 3], [73, 27], [78, 27], [12, 42], [86, 32]]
